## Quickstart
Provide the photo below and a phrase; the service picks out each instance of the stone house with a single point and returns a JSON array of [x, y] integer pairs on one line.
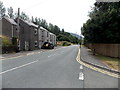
[[28, 35], [9, 27]]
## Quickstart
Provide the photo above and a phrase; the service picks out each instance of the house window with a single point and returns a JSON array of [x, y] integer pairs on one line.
[[35, 43], [16, 28], [35, 31]]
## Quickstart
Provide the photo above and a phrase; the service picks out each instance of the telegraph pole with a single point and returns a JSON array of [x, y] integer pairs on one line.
[[18, 28]]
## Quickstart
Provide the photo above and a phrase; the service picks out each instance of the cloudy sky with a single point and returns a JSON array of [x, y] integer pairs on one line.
[[67, 14]]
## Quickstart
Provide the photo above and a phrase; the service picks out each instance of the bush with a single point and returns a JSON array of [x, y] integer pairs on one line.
[[65, 43], [7, 46], [5, 41]]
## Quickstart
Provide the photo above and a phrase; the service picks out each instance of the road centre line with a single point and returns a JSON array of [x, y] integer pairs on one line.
[[81, 76], [81, 66], [18, 67]]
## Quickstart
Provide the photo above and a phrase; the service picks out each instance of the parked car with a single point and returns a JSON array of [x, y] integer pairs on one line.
[[47, 45]]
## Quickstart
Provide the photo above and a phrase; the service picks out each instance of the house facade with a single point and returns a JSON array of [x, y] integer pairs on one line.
[[9, 27], [43, 36], [52, 38], [28, 35]]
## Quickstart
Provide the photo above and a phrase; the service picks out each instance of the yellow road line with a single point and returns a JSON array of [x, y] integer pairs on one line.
[[95, 68]]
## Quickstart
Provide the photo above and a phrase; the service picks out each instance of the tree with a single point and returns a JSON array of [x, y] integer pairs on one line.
[[10, 12], [44, 23], [63, 30], [103, 25], [36, 20], [24, 16], [2, 9], [56, 30], [33, 19]]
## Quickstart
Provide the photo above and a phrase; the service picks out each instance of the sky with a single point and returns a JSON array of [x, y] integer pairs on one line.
[[67, 14]]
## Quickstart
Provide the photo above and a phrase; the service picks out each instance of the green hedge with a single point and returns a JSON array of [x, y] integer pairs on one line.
[[9, 49]]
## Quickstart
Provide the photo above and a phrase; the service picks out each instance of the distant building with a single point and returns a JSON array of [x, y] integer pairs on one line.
[[52, 38], [43, 35], [8, 27], [28, 35]]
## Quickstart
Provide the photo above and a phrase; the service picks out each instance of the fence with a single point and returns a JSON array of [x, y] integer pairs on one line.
[[112, 50]]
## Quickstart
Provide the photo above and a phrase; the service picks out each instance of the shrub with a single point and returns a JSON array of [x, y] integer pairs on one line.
[[5, 41], [8, 45], [65, 43]]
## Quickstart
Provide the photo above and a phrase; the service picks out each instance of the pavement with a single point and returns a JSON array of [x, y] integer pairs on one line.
[[57, 68], [87, 56], [21, 53]]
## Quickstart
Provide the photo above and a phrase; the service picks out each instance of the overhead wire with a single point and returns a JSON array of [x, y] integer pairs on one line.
[[35, 5]]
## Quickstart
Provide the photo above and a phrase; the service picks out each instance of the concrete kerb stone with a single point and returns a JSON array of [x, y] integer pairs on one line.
[[101, 67]]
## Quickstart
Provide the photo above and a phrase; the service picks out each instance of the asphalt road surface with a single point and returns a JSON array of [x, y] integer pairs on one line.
[[52, 69]]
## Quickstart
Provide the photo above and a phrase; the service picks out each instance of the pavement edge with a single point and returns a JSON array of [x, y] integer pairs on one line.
[[98, 68]]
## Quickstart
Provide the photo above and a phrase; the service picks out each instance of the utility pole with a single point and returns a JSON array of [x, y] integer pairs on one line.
[[18, 28]]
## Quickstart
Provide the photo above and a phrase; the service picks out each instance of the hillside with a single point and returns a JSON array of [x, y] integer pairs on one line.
[[76, 35]]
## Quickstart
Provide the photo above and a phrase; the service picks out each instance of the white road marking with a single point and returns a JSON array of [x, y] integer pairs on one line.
[[39, 52], [18, 67], [30, 53], [81, 66], [81, 76]]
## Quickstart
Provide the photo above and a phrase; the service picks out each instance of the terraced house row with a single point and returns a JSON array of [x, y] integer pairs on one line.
[[29, 36]]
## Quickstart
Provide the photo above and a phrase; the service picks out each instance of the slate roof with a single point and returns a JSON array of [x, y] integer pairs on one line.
[[43, 29], [30, 23], [52, 34], [10, 20]]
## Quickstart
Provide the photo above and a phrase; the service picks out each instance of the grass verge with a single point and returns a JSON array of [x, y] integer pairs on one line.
[[113, 63]]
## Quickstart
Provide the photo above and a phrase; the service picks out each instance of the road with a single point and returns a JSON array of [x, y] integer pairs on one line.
[[55, 68]]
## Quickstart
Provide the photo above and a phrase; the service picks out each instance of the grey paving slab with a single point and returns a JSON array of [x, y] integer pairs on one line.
[[88, 56]]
